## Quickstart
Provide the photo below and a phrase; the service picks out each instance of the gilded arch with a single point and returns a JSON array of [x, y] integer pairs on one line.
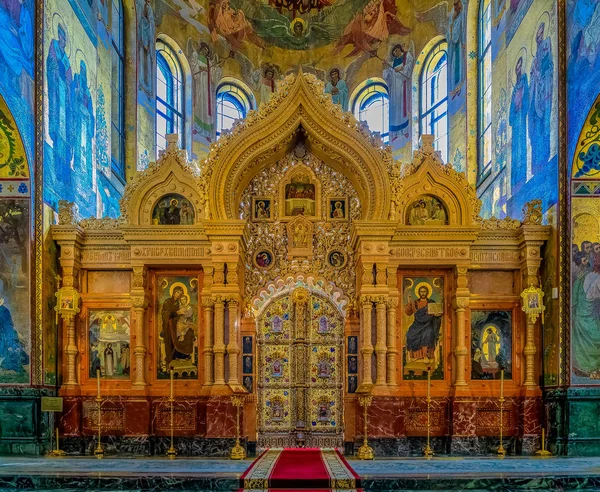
[[299, 110], [170, 174], [427, 175]]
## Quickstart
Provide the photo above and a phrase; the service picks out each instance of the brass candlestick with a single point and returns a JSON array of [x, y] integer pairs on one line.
[[501, 451], [237, 452], [428, 452], [99, 451], [365, 452], [543, 453], [56, 452], [172, 452]]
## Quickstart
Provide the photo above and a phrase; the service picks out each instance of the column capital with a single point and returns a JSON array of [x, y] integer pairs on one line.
[[461, 303], [139, 301], [208, 302], [392, 302]]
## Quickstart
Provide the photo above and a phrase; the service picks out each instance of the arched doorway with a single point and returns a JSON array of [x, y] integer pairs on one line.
[[300, 354]]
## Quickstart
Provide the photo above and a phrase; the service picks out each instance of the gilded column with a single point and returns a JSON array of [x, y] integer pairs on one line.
[[139, 301], [70, 350], [380, 341], [208, 304], [530, 277], [233, 347], [68, 290], [219, 346], [529, 352], [460, 304], [392, 350], [366, 347]]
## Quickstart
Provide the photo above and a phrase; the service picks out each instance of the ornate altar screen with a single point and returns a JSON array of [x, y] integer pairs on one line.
[[300, 340]]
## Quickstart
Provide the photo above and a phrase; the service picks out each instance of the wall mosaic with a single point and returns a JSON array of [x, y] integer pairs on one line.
[[15, 238]]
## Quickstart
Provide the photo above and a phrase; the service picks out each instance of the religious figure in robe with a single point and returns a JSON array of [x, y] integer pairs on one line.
[[439, 214], [456, 47], [541, 78], [146, 45], [60, 128], [17, 44], [585, 338], [338, 89], [172, 214], [171, 311], [491, 339], [12, 350], [125, 360], [424, 332], [419, 213], [519, 107], [83, 128], [265, 79], [397, 74], [206, 72], [231, 24], [109, 361], [372, 26]]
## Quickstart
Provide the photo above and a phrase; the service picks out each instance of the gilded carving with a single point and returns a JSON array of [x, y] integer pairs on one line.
[[532, 212], [275, 238]]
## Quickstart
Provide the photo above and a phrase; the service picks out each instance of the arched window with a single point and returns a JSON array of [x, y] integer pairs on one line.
[[484, 118], [433, 107], [234, 100], [371, 104], [117, 135], [169, 95]]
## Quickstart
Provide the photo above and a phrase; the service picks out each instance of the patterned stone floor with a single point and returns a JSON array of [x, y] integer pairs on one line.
[[407, 474]]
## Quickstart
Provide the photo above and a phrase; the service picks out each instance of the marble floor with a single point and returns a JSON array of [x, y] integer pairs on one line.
[[159, 474]]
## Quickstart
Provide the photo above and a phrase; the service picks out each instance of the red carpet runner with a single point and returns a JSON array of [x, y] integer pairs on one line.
[[290, 470]]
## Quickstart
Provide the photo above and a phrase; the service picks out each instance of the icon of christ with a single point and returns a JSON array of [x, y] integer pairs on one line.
[[423, 334]]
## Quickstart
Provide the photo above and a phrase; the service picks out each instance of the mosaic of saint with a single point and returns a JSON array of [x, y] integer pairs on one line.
[[109, 343], [491, 344], [173, 209], [177, 322], [423, 318]]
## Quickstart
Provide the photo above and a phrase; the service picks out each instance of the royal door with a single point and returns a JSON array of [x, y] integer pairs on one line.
[[300, 353]]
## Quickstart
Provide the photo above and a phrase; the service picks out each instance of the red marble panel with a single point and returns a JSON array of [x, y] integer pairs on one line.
[[488, 417], [385, 417], [416, 417], [185, 417], [220, 418], [531, 409], [464, 413], [70, 419]]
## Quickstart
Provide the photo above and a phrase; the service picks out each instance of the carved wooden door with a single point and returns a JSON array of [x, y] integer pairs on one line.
[[300, 352]]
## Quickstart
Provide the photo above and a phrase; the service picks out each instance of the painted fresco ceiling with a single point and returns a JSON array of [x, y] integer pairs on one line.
[[316, 33]]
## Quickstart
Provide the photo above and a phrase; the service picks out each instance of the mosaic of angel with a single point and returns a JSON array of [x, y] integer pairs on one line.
[[323, 22]]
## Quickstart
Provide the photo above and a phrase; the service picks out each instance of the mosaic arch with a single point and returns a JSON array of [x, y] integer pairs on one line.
[[15, 233], [585, 253]]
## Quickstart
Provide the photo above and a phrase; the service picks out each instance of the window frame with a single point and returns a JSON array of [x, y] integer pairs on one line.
[[365, 96], [231, 91], [427, 75], [484, 62], [118, 88], [168, 63]]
